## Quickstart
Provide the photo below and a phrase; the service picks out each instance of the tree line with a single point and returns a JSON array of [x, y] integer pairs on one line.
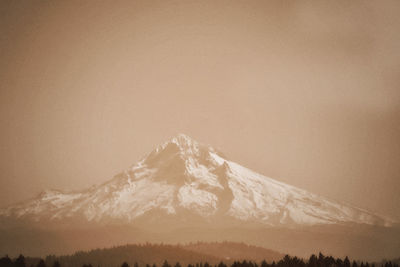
[[287, 261]]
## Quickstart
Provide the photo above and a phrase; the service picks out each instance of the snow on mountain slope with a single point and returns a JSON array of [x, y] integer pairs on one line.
[[183, 175]]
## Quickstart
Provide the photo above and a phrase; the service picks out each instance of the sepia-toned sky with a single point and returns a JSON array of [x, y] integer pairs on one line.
[[306, 92]]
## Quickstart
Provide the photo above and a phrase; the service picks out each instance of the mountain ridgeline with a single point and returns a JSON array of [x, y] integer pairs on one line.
[[183, 177]]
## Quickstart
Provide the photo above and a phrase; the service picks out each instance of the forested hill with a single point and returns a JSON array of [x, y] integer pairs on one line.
[[201, 254], [143, 254], [229, 251], [140, 254], [286, 261]]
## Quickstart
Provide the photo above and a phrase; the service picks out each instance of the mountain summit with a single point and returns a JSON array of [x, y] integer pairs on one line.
[[183, 178]]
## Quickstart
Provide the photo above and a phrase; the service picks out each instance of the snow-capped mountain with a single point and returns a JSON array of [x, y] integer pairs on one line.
[[182, 177]]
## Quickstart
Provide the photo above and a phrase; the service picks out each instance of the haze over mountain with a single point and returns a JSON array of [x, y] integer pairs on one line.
[[184, 191], [182, 179], [306, 93]]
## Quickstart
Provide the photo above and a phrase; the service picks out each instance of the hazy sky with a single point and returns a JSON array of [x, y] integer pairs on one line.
[[304, 92]]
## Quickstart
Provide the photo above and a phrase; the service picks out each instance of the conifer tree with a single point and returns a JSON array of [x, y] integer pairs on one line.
[[41, 264], [20, 261], [6, 262], [346, 262], [264, 264]]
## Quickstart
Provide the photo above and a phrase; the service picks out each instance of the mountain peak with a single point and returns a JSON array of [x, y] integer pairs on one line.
[[182, 144], [182, 177], [183, 140]]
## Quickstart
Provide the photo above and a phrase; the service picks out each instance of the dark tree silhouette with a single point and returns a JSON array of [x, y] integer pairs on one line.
[[20, 261], [287, 261], [41, 264], [346, 262], [6, 262]]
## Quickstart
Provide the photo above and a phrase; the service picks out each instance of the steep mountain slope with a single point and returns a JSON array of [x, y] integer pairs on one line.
[[183, 179]]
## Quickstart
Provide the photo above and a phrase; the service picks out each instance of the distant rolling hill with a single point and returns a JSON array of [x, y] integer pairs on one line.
[[212, 253], [230, 251]]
